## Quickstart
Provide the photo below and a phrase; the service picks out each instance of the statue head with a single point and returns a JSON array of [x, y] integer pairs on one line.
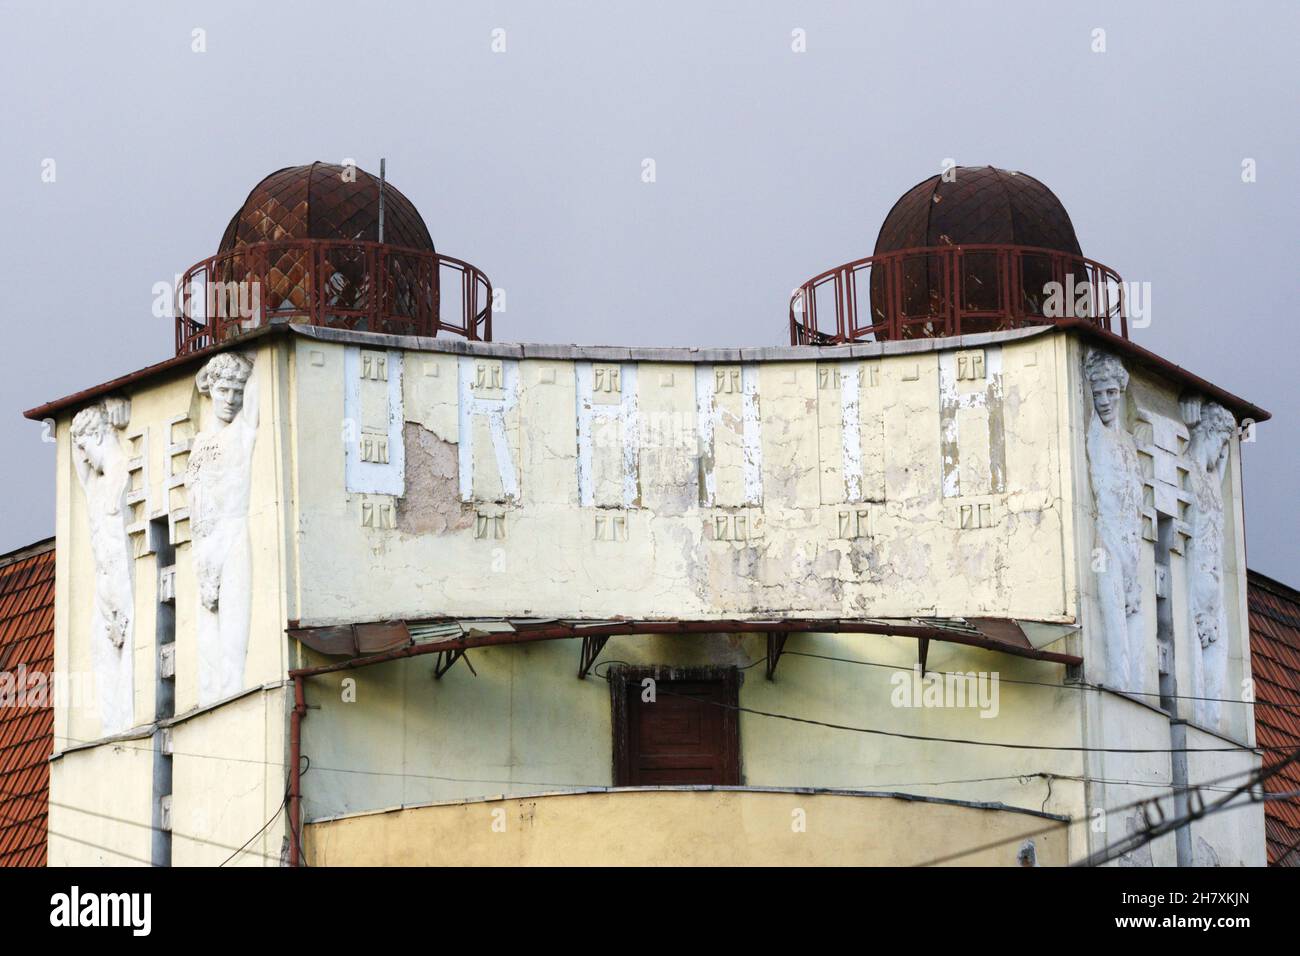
[[1108, 379], [89, 427], [1213, 431], [223, 380]]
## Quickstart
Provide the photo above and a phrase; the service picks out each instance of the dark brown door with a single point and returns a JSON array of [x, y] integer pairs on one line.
[[686, 735]]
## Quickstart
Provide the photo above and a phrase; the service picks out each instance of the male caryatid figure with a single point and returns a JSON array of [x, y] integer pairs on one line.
[[1117, 494], [101, 466], [1211, 426], [218, 482]]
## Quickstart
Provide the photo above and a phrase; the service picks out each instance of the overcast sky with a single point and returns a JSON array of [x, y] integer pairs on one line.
[[771, 166]]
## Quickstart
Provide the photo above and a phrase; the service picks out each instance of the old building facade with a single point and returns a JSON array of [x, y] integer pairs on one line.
[[962, 582]]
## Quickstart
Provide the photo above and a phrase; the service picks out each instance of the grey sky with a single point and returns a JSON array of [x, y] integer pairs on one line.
[[771, 166]]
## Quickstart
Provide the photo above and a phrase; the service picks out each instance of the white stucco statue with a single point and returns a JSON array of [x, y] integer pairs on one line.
[[1211, 426], [101, 465], [218, 481], [1117, 494]]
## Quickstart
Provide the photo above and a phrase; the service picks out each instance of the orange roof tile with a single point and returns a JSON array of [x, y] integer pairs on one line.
[[1275, 665], [26, 732]]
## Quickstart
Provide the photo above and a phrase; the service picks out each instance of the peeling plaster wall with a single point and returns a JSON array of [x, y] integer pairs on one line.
[[673, 489], [906, 484]]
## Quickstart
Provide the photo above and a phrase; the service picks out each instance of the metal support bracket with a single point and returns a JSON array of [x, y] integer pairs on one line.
[[775, 648], [447, 659], [591, 648]]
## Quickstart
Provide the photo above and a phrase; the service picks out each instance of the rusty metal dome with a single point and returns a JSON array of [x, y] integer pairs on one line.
[[982, 250], [981, 205], [325, 201], [305, 247]]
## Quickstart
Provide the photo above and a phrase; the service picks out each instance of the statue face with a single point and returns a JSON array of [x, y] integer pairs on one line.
[[92, 446], [227, 399], [1217, 448], [1106, 398]]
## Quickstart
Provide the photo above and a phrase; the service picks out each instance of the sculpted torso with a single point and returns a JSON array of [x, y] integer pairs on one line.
[[1207, 558], [1117, 492], [219, 483], [1205, 550], [217, 477], [101, 468], [104, 475]]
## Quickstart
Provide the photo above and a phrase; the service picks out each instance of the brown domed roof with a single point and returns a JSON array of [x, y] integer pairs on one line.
[[981, 205], [318, 202]]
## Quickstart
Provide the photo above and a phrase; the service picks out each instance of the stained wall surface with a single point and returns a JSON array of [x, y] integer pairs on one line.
[[922, 483]]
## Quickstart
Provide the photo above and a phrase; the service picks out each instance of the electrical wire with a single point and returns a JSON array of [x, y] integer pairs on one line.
[[1072, 820], [35, 825], [1021, 836], [876, 731], [757, 712], [1074, 685], [1137, 841], [283, 800]]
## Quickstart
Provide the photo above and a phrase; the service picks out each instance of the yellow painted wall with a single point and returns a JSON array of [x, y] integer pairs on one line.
[[100, 806], [686, 828], [229, 778]]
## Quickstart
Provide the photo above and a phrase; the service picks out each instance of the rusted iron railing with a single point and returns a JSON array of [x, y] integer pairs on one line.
[[954, 290], [368, 286]]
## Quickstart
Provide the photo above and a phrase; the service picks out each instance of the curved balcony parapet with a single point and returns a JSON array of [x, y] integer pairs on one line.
[[954, 290], [360, 285]]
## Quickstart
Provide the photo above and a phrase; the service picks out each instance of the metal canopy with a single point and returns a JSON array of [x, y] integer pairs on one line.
[[376, 642]]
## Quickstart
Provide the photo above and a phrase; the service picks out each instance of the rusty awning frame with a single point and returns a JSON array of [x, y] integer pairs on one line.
[[377, 642]]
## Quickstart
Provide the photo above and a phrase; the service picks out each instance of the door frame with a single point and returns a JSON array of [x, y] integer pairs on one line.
[[625, 688]]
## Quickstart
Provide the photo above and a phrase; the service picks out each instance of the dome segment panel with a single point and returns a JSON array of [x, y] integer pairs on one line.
[[982, 205], [323, 201]]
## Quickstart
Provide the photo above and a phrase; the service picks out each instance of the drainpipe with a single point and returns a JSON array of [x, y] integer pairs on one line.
[[295, 778]]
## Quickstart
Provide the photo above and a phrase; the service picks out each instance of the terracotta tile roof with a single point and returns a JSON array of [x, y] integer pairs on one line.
[[26, 733], [1275, 663]]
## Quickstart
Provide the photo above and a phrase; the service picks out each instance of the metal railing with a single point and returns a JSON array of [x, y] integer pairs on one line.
[[367, 286], [954, 290]]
